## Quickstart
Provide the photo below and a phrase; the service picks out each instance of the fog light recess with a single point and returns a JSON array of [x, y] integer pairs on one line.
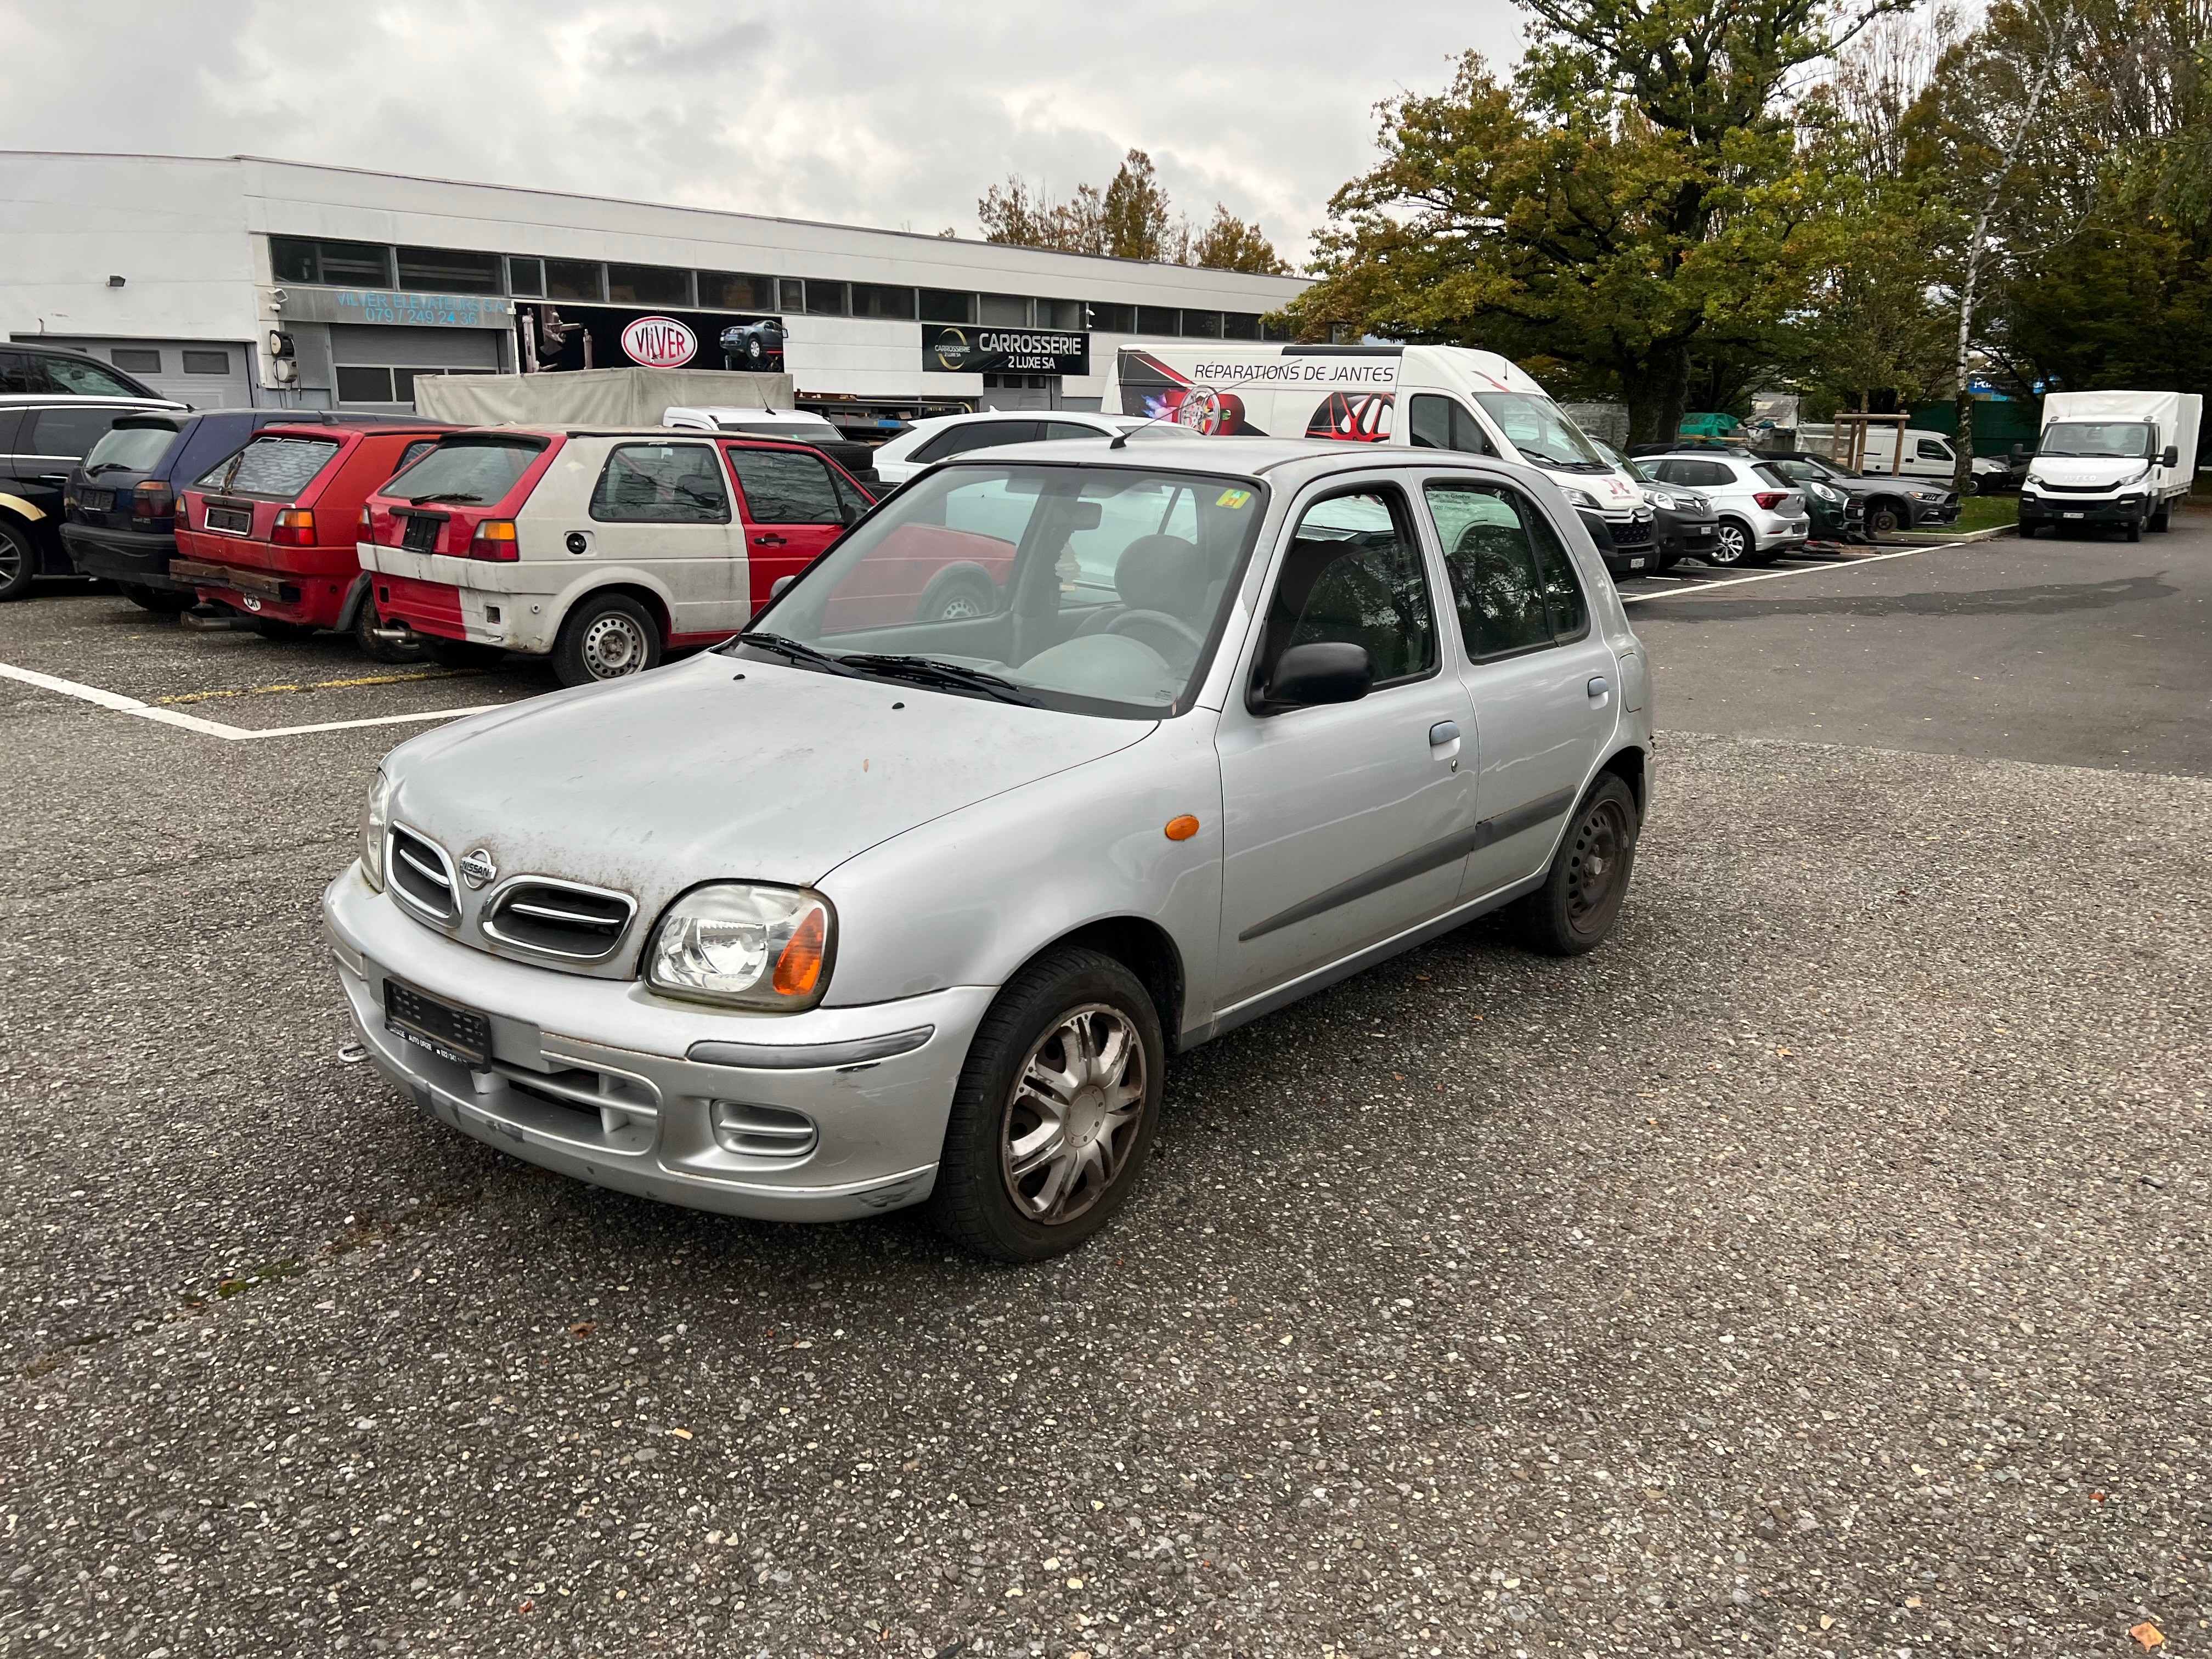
[[762, 1131]]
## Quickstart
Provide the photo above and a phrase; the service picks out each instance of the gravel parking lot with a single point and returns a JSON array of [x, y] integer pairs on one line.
[[1820, 1267]]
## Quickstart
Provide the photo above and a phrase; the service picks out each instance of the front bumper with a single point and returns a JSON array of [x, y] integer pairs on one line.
[[587, 1077], [2059, 509], [140, 557]]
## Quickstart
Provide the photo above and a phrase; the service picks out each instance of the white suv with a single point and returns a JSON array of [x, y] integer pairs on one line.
[[944, 435], [1762, 514]]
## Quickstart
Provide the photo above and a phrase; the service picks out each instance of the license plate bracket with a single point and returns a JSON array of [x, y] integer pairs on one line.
[[452, 1033]]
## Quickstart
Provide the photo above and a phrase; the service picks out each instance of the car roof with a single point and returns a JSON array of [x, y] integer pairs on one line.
[[70, 400], [1297, 460]]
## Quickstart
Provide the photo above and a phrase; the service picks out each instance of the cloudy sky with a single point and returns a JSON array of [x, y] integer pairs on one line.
[[862, 112]]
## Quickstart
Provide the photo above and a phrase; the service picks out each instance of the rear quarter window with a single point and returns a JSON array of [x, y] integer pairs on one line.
[[273, 469]]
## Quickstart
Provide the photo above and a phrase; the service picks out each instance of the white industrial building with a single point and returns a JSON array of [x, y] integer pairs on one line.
[[238, 280]]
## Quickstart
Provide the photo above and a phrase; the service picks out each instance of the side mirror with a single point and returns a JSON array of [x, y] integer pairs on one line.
[[848, 513], [1325, 671], [776, 588], [2020, 452], [2172, 457]]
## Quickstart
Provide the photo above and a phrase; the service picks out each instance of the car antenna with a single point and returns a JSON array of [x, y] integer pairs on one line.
[[1120, 438]]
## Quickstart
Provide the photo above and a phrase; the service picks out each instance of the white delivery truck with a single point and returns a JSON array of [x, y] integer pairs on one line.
[[1430, 396], [2112, 458]]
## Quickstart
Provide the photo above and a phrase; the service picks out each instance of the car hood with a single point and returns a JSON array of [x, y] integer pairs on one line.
[[2085, 472], [719, 769]]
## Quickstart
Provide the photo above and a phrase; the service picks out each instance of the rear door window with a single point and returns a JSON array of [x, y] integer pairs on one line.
[[1511, 579], [784, 487], [471, 471], [273, 469], [660, 483]]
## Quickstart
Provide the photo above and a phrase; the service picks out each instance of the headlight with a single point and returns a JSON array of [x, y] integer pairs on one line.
[[376, 820], [1580, 498], [1823, 493], [755, 947]]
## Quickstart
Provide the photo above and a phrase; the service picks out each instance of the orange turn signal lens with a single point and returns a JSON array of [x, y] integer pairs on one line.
[[799, 966], [1181, 828]]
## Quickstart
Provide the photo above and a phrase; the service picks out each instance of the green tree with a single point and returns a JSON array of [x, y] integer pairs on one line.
[[1130, 218], [1134, 211], [1230, 244]]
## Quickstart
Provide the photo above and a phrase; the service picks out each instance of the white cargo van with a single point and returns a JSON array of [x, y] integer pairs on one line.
[[1429, 397], [2112, 458], [1927, 454]]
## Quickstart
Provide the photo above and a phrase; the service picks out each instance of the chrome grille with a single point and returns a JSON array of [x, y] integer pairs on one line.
[[559, 918], [421, 874]]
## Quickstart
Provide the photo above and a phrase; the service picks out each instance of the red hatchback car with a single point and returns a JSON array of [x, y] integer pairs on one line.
[[270, 530]]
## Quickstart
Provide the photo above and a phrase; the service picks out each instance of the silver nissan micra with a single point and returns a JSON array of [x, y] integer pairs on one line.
[[876, 905]]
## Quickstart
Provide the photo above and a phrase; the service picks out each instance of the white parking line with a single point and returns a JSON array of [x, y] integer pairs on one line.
[[1797, 570], [116, 702]]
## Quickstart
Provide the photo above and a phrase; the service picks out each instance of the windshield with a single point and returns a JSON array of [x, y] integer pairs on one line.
[[467, 469], [131, 448], [1097, 589], [275, 468], [1543, 436], [2130, 441]]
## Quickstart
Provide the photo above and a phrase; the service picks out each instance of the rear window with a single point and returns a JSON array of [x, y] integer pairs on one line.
[[469, 470], [1775, 475], [275, 468], [131, 449]]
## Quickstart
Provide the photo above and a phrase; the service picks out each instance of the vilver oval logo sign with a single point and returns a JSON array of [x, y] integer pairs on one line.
[[660, 342]]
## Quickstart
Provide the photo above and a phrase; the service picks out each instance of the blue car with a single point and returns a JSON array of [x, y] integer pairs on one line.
[[120, 502]]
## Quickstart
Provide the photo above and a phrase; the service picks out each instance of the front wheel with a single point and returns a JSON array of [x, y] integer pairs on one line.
[[608, 637], [2163, 518], [1885, 517], [2135, 530], [1574, 909], [1053, 1112]]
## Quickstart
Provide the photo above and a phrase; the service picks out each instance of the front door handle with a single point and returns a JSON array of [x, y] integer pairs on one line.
[[1442, 732], [1598, 686], [768, 541]]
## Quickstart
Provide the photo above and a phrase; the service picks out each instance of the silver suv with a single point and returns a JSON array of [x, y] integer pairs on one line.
[[862, 910], [1762, 513]]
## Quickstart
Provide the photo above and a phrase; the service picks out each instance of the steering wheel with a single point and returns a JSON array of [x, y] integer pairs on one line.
[[1175, 625]]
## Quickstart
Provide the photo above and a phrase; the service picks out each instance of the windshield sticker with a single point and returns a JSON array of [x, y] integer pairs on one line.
[[1233, 498]]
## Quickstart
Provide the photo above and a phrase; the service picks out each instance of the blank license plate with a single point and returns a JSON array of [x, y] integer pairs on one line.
[[230, 520], [2070, 515], [1635, 564], [460, 1034]]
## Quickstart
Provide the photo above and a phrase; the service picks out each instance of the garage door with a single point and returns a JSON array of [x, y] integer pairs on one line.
[[205, 373], [376, 366]]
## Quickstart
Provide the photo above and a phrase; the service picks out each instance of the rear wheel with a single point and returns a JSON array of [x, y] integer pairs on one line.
[[1054, 1109], [366, 622], [284, 633], [608, 637], [1574, 909], [161, 601], [958, 595], [19, 562]]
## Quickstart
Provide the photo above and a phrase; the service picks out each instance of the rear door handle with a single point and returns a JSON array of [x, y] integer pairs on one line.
[[1442, 732], [768, 541], [1598, 686]]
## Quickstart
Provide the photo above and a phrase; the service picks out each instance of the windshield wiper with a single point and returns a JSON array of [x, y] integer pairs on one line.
[[451, 495], [930, 670], [1564, 464], [795, 651]]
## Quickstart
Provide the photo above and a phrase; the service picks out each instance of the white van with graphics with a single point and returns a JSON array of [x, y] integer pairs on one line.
[[1428, 396]]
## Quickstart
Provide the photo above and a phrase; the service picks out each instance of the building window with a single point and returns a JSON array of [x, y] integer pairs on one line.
[[880, 300], [1004, 311], [945, 305], [204, 363], [337, 264], [1158, 320], [722, 290], [448, 272], [791, 294], [648, 285], [1059, 313], [1240, 325], [825, 298], [1202, 324], [525, 278], [366, 385], [137, 360], [573, 279], [1115, 320], [1273, 332]]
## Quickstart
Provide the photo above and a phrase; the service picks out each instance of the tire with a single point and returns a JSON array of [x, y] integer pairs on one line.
[[284, 633], [2162, 519], [2135, 530], [462, 654], [957, 595], [161, 601], [1733, 544], [608, 637], [1884, 518], [983, 1198], [19, 560], [366, 622], [1574, 909]]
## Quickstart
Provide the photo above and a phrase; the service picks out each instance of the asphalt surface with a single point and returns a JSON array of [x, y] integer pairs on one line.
[[1820, 1267]]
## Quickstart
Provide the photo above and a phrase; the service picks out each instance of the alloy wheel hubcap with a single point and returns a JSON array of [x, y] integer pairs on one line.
[[1074, 1115], [613, 647]]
